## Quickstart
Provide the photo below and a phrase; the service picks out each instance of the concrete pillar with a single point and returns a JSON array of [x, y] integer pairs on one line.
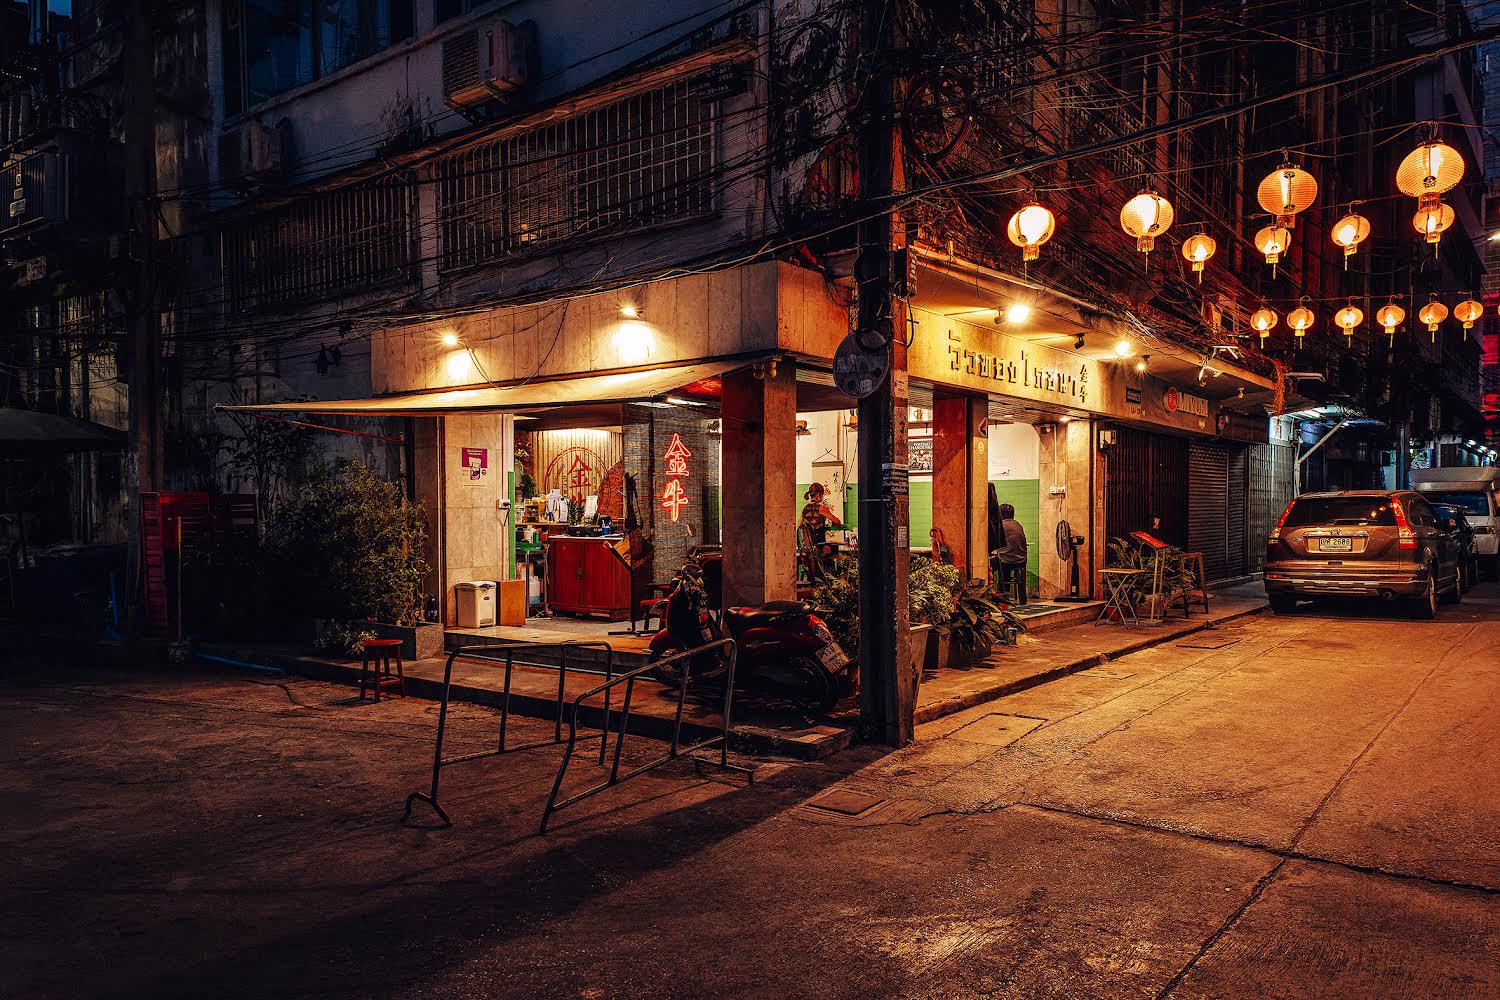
[[1065, 462], [759, 473], [960, 471]]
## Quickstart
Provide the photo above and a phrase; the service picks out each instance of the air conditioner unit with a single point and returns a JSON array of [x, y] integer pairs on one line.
[[486, 63], [253, 152]]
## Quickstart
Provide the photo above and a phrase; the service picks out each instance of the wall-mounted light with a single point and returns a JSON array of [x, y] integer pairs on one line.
[[632, 342], [450, 339], [1143, 363], [630, 311], [1017, 312], [1078, 344], [1124, 348], [1065, 419]]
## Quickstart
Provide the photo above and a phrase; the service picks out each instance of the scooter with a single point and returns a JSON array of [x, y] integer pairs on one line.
[[784, 650]]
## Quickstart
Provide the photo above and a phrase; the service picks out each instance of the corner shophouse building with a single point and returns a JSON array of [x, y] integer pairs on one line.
[[735, 363]]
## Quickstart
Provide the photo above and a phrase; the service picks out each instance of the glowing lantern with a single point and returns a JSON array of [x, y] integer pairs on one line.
[[1285, 192], [1301, 320], [1273, 241], [1349, 232], [1348, 319], [1431, 169], [1468, 312], [1433, 314], [1433, 220], [1030, 228], [1146, 216], [1197, 250], [1390, 316], [1264, 320]]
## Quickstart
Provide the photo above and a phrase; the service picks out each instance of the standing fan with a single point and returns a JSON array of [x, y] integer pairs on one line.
[[1067, 551]]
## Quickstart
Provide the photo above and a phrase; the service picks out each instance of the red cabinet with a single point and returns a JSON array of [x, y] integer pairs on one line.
[[586, 577]]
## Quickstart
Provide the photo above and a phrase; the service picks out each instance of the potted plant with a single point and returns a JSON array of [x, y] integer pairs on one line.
[[1175, 578], [931, 589], [350, 547], [981, 620]]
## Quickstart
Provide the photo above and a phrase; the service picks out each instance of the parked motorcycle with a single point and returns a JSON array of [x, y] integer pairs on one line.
[[784, 650]]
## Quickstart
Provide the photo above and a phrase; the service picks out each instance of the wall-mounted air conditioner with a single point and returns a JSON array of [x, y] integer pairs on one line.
[[491, 61]]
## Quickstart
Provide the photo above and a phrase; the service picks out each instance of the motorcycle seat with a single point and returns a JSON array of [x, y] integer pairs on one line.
[[770, 611]]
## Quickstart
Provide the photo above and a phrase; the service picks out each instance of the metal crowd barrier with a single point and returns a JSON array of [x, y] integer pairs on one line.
[[721, 740], [506, 655]]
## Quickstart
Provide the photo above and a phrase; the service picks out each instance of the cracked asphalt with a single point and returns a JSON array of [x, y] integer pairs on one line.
[[1293, 806]]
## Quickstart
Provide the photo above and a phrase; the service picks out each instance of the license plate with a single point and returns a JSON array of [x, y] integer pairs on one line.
[[832, 657], [1335, 544]]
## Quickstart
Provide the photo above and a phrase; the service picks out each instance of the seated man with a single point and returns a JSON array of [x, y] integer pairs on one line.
[[1009, 560]]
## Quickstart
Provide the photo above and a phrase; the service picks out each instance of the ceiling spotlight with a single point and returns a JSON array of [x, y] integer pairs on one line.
[[1124, 348], [1240, 393], [450, 339], [630, 312], [1065, 419], [1018, 312], [1143, 363], [1078, 344]]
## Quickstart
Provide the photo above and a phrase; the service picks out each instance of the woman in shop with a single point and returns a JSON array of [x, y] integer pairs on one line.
[[817, 517]]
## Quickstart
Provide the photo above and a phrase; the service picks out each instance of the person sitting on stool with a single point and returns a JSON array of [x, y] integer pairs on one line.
[[817, 515], [1010, 559]]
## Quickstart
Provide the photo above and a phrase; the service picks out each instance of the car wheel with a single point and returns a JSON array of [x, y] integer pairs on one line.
[[1426, 605], [1282, 604]]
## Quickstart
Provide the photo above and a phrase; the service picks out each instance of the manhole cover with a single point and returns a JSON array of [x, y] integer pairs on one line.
[[997, 729], [846, 803]]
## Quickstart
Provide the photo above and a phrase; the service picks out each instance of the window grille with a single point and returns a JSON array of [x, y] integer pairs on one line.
[[336, 242], [641, 161]]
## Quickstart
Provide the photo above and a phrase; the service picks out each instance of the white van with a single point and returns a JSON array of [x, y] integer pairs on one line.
[[1476, 491]]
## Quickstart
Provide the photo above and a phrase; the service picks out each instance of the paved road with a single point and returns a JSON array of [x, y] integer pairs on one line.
[[1306, 810]]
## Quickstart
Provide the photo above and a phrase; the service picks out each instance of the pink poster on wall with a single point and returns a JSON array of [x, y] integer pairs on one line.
[[476, 464]]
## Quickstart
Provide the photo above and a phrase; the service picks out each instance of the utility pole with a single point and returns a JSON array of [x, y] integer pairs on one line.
[[145, 471], [888, 685]]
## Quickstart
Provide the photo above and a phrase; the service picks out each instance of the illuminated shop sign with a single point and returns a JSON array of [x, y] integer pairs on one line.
[[1177, 401], [1021, 372], [674, 497]]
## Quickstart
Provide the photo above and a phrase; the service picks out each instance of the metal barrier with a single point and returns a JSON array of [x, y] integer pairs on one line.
[[506, 654], [677, 751]]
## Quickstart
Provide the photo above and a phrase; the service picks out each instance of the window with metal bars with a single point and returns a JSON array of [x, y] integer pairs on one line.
[[336, 242], [642, 161]]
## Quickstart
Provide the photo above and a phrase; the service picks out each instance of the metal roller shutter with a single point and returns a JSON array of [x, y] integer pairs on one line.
[[1146, 486], [1239, 511], [1208, 506]]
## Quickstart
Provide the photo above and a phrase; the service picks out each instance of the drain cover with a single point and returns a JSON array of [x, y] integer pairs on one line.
[[997, 729], [1208, 641], [846, 803]]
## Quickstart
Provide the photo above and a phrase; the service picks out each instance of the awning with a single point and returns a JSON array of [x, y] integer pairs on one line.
[[32, 432], [617, 387]]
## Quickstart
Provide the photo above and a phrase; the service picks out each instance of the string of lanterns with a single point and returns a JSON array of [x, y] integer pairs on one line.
[[1428, 172]]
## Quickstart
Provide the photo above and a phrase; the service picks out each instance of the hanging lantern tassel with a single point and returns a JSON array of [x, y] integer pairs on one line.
[[1390, 316], [1301, 320], [1146, 216], [1433, 314], [1197, 250], [1264, 320], [1468, 312], [1348, 319], [1349, 232]]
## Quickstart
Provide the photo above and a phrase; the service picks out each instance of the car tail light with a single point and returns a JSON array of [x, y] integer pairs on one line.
[[1276, 531], [1406, 539]]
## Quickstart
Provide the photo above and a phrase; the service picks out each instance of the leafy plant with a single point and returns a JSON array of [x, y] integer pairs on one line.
[[980, 618], [348, 546], [931, 589], [836, 596], [271, 454], [1125, 554]]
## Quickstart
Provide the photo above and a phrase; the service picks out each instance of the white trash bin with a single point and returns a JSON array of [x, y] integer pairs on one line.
[[474, 603]]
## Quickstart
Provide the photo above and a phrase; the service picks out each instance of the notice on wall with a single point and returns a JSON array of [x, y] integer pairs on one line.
[[476, 465]]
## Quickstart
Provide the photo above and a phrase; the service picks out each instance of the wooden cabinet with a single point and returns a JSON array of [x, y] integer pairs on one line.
[[586, 577]]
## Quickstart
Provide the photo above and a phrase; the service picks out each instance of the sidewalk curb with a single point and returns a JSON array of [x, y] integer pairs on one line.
[[938, 710]]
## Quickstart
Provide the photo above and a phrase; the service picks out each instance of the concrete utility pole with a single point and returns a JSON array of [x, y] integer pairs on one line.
[[145, 470], [888, 686]]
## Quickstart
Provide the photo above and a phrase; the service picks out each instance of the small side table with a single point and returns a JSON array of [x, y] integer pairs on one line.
[[378, 655], [1119, 596]]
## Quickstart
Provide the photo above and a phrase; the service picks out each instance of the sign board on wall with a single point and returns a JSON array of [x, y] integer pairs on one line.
[[476, 465]]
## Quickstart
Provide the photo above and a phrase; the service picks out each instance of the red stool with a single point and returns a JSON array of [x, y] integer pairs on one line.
[[376, 667]]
